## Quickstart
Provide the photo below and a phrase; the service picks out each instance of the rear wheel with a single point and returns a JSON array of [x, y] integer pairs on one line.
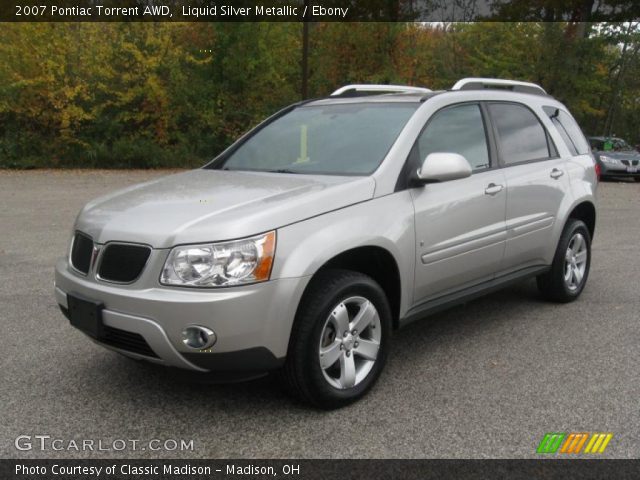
[[340, 339], [567, 277]]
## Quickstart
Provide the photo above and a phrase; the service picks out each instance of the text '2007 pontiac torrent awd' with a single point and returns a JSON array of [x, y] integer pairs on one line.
[[303, 245]]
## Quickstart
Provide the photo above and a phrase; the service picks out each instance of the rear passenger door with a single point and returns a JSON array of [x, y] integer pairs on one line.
[[536, 183], [459, 224]]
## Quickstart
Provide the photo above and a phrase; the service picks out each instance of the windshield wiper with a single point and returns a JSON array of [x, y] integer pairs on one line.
[[275, 170], [279, 170]]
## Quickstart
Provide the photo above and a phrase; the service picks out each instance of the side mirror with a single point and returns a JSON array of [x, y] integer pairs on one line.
[[442, 167]]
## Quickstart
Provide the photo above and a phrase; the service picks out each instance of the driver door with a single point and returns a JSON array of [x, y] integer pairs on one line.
[[460, 224]]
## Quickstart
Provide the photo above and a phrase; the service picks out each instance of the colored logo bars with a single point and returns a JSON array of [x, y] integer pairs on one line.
[[574, 442]]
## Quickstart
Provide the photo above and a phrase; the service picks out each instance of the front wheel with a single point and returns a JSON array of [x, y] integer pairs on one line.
[[567, 277], [340, 339]]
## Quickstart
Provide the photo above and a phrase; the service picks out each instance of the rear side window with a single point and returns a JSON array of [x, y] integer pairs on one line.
[[458, 129], [522, 137], [569, 130]]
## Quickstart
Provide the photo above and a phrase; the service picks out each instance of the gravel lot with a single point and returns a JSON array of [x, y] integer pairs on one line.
[[487, 379]]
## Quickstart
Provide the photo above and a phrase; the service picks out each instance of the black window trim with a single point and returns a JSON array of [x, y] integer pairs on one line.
[[558, 124], [405, 176], [490, 133], [551, 146]]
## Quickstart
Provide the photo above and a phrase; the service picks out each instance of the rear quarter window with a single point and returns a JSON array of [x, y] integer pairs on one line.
[[569, 130]]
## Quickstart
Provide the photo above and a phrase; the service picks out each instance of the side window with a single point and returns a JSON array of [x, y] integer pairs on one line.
[[569, 130], [458, 129], [521, 136]]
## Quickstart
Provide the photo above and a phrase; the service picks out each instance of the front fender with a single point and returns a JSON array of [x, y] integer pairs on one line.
[[386, 222]]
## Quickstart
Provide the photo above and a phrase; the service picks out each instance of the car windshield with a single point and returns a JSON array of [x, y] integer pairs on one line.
[[610, 144], [621, 145], [343, 139]]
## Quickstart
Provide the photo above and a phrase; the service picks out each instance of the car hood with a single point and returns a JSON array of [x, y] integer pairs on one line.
[[212, 205]]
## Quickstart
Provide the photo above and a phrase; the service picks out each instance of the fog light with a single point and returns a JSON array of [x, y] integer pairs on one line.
[[198, 338]]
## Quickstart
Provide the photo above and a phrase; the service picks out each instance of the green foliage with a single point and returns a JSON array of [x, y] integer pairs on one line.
[[151, 95], [115, 95]]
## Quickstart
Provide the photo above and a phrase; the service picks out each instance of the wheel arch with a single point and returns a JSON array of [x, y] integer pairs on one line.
[[374, 261], [585, 211], [377, 263]]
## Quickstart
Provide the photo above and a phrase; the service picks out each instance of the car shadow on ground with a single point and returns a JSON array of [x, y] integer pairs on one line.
[[180, 388], [617, 180]]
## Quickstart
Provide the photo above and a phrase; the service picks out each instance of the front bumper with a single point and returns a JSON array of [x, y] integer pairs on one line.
[[619, 170], [252, 323]]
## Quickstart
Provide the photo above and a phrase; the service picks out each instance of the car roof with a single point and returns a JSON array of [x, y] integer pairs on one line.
[[602, 139], [411, 97], [469, 89], [375, 98]]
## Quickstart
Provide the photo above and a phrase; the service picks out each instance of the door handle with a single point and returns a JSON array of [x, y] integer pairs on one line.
[[556, 173], [493, 189]]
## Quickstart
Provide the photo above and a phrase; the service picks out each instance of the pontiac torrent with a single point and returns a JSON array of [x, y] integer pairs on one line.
[[302, 246]]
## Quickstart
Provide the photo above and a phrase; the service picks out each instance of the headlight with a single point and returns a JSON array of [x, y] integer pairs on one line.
[[221, 264], [609, 160]]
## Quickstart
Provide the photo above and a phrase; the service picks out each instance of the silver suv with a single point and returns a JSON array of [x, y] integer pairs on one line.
[[303, 245]]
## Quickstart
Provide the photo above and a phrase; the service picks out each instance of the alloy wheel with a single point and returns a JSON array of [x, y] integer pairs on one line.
[[350, 342], [575, 262]]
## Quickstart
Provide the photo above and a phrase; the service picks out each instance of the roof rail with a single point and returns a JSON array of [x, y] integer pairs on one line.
[[362, 89], [474, 83]]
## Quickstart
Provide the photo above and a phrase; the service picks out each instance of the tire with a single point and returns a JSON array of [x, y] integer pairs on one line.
[[568, 275], [637, 179], [317, 330]]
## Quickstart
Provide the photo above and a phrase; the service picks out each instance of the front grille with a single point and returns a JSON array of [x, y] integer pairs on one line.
[[129, 341], [81, 252], [630, 163], [123, 263]]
